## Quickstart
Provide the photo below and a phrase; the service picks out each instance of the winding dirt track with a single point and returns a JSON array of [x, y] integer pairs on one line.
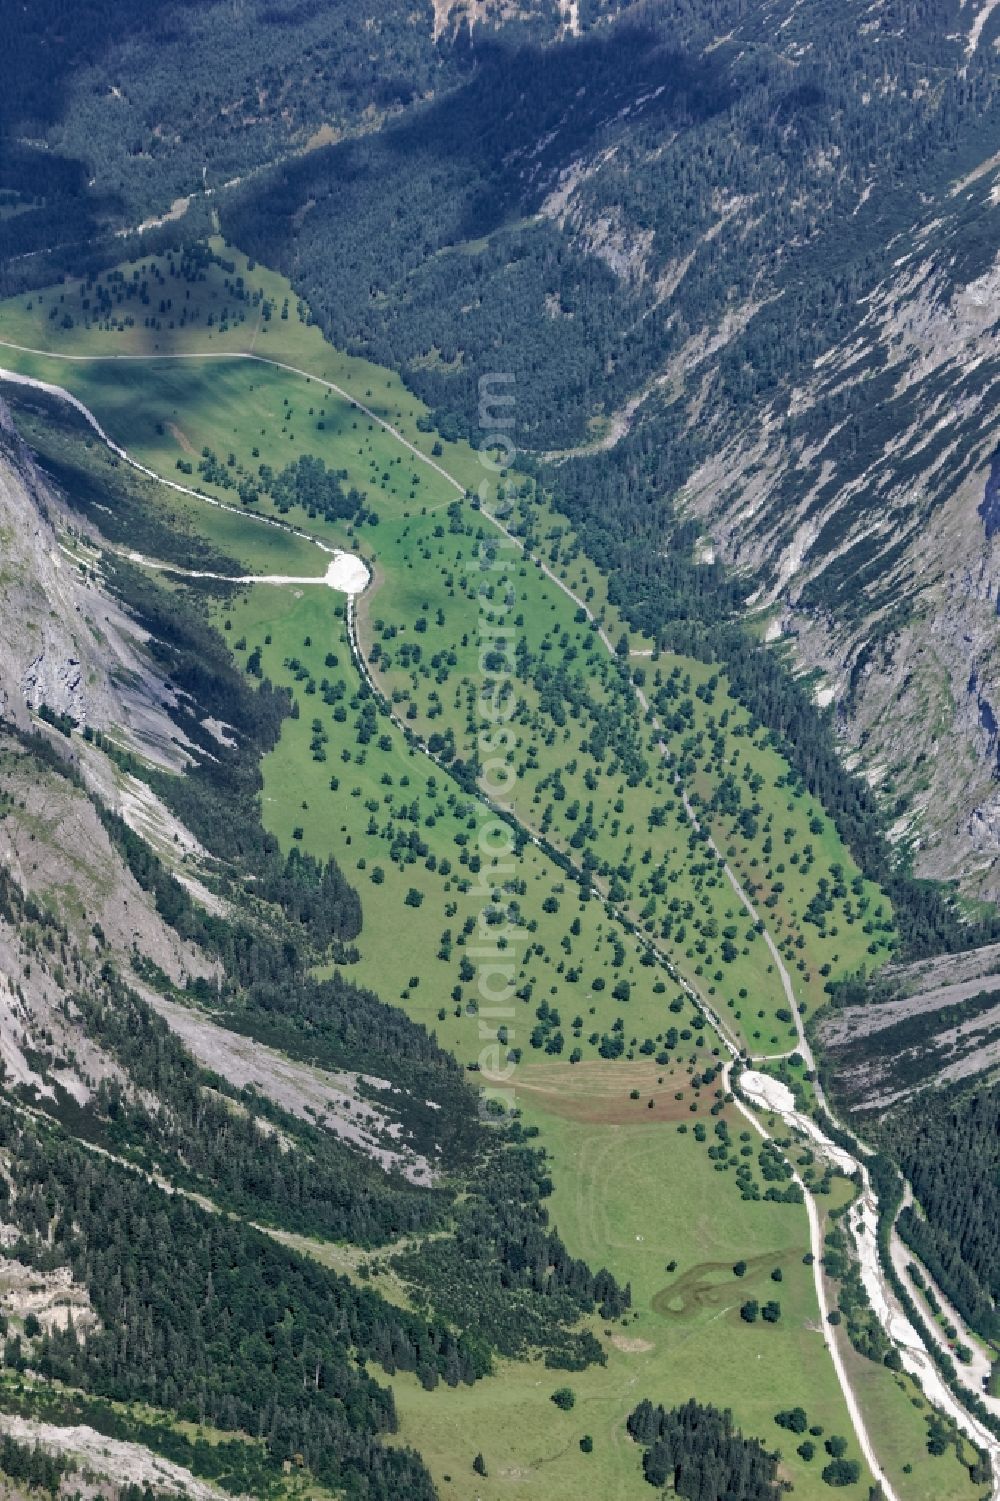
[[911, 1349]]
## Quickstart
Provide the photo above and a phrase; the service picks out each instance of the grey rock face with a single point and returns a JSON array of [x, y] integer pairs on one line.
[[878, 556], [64, 642], [56, 681]]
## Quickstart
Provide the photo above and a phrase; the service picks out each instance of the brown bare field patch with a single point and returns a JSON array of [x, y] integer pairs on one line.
[[598, 1092], [631, 1346], [179, 436]]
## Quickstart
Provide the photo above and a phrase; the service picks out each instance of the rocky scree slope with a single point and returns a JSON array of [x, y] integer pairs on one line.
[[67, 644], [71, 902], [863, 503]]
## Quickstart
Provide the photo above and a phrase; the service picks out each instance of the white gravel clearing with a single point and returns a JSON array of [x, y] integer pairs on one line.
[[771, 1094], [346, 573], [768, 1092]]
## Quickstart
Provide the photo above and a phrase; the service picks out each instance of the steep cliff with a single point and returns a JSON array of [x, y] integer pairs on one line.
[[67, 644], [862, 502]]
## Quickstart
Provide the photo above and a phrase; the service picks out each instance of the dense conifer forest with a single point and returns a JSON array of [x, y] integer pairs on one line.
[[223, 1345], [948, 1145], [696, 1452]]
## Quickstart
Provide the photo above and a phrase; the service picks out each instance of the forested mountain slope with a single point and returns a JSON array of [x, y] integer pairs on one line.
[[859, 500], [113, 112]]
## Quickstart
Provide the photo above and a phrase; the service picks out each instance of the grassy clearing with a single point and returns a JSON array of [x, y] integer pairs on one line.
[[639, 1197], [361, 1267], [218, 308], [223, 304], [67, 445], [398, 827], [589, 777], [895, 1410], [584, 775]]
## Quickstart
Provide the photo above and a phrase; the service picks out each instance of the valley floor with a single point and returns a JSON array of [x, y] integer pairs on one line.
[[653, 1172]]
